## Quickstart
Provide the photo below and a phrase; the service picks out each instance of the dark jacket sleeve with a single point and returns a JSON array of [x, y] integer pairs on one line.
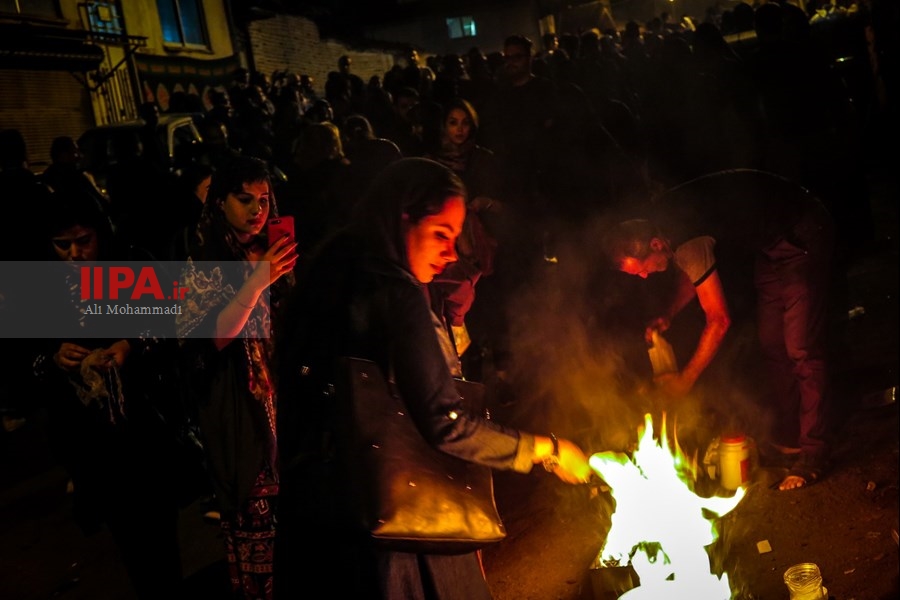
[[425, 383]]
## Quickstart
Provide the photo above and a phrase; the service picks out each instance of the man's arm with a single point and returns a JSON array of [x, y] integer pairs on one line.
[[715, 307], [684, 294]]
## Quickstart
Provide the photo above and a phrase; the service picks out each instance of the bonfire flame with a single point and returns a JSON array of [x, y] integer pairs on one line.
[[659, 525]]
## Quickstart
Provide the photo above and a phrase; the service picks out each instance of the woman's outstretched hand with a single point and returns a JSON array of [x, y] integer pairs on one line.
[[563, 458], [573, 464]]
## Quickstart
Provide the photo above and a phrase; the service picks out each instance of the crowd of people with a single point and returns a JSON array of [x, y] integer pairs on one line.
[[424, 201]]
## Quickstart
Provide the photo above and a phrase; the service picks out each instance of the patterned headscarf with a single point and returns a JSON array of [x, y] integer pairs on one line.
[[212, 291]]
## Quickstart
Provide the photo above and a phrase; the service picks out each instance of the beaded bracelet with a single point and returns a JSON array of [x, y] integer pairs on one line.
[[251, 307], [552, 461]]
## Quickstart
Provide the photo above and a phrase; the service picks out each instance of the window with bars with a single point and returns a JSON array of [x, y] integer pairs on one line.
[[182, 23], [104, 17], [461, 27]]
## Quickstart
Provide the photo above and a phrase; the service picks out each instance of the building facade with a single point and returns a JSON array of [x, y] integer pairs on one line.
[[68, 65]]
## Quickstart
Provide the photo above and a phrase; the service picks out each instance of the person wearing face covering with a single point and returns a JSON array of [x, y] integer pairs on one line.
[[366, 295]]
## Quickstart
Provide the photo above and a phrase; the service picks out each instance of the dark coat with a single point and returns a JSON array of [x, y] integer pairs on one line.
[[358, 298]]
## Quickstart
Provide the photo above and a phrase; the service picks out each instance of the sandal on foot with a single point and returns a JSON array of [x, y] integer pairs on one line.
[[800, 476]]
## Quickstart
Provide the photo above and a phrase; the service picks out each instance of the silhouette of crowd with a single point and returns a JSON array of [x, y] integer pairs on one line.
[[545, 134]]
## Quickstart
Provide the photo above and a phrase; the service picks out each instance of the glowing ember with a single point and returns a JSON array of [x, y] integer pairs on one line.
[[659, 524]]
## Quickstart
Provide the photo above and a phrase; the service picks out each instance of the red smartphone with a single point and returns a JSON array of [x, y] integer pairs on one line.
[[277, 227]]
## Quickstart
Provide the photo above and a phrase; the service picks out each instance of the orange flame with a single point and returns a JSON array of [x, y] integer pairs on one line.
[[659, 524]]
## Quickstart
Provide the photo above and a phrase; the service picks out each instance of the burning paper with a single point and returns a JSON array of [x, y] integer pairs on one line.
[[659, 525]]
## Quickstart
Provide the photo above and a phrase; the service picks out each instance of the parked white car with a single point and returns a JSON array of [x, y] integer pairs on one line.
[[179, 142]]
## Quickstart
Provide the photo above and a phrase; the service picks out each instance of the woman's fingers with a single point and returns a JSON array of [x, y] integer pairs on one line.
[[283, 265], [69, 356], [289, 256], [72, 352], [284, 244], [281, 257]]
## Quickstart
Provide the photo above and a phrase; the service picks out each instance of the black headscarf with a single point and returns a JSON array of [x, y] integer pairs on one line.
[[417, 187], [333, 298], [456, 156]]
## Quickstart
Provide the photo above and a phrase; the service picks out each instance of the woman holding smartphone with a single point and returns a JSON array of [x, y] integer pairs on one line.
[[237, 278]]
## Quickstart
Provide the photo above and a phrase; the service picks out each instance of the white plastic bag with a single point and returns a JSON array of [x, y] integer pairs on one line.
[[662, 357]]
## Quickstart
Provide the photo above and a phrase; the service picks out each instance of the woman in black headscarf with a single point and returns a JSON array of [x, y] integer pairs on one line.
[[479, 243], [365, 295]]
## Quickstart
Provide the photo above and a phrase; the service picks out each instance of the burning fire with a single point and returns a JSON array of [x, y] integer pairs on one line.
[[659, 524]]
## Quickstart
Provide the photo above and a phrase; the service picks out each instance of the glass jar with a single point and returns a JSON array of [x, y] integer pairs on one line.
[[804, 582]]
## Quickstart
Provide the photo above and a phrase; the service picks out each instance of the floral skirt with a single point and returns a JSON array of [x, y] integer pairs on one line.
[[249, 540]]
